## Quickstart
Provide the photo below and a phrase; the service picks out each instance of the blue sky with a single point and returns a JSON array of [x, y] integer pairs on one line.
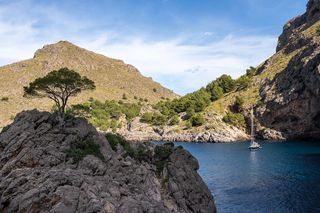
[[183, 44]]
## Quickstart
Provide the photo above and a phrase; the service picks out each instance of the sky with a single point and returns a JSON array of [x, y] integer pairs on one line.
[[182, 44]]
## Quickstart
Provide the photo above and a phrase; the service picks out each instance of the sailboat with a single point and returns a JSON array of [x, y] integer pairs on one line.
[[253, 144]]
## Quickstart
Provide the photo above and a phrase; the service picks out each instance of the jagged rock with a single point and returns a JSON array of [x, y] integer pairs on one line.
[[291, 31], [291, 99], [38, 175]]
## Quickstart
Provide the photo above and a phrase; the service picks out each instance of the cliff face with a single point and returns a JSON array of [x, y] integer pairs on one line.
[[41, 170], [292, 98]]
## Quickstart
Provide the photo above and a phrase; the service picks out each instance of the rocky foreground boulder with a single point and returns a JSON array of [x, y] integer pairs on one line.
[[46, 166]]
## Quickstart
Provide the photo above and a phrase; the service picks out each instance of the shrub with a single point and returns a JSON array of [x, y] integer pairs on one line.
[[147, 117], [115, 139], [124, 96], [105, 114], [159, 119], [318, 31], [251, 71], [238, 104], [131, 111], [4, 99], [113, 125], [226, 83], [197, 120], [188, 125], [175, 120], [236, 119], [154, 90], [154, 118], [189, 113], [215, 90], [79, 149], [161, 155], [135, 97], [4, 129], [142, 154], [243, 82]]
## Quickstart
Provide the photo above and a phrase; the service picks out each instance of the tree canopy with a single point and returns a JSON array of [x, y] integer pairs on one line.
[[59, 86]]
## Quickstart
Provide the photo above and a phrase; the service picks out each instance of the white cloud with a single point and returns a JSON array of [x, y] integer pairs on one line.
[[175, 62], [187, 67]]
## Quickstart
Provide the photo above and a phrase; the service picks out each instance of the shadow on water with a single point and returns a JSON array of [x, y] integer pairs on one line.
[[280, 177]]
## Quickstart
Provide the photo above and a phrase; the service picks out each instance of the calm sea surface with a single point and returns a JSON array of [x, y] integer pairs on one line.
[[280, 177]]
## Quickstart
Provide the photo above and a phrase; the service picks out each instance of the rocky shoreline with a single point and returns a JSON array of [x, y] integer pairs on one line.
[[47, 166]]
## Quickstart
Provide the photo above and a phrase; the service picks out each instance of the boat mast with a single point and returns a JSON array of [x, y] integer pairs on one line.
[[252, 132]]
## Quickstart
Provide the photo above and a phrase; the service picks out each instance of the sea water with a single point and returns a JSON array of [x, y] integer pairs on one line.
[[280, 177]]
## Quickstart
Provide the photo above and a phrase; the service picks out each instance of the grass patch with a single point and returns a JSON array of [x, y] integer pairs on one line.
[[313, 30], [80, 149]]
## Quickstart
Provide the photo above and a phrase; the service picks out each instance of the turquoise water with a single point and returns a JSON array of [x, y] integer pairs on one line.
[[280, 177]]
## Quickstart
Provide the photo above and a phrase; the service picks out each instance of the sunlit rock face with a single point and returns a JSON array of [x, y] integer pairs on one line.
[[292, 98]]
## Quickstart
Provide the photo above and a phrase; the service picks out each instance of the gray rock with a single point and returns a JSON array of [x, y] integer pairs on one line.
[[37, 175]]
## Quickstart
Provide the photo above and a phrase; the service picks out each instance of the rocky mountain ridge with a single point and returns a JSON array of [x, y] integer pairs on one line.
[[291, 99], [41, 171]]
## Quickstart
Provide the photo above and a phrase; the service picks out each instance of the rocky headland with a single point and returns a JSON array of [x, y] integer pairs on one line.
[[49, 166]]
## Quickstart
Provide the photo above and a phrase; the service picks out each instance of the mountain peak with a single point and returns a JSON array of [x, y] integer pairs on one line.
[[57, 48]]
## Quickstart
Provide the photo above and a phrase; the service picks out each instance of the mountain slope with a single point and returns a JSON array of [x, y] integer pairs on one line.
[[285, 89], [113, 78]]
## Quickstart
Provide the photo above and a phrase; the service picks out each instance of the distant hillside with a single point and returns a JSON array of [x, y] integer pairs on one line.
[[113, 79], [284, 92]]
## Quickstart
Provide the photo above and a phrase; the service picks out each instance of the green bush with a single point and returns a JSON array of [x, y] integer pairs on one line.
[[154, 90], [159, 119], [147, 117], [238, 104], [175, 120], [154, 118], [318, 31], [79, 149], [251, 71], [115, 139], [236, 119], [106, 114], [197, 120], [226, 83], [142, 154], [243, 82], [161, 155], [215, 90], [189, 113]]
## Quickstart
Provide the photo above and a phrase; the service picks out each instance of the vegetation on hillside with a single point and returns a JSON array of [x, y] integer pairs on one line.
[[194, 103], [105, 115], [80, 149]]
